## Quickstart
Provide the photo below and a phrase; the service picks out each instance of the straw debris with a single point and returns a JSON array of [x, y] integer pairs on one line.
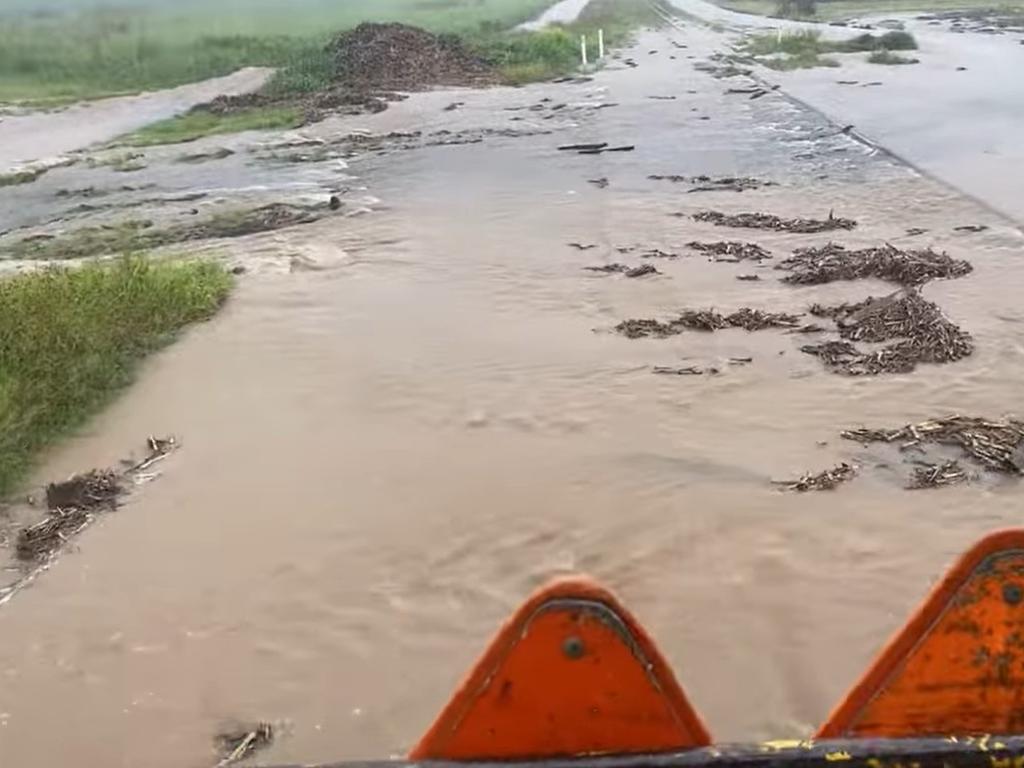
[[925, 335], [813, 266], [996, 445], [731, 250], [827, 480], [937, 475], [770, 221], [238, 742], [706, 320]]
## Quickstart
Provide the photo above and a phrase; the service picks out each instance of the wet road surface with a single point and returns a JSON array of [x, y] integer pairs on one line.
[[407, 419]]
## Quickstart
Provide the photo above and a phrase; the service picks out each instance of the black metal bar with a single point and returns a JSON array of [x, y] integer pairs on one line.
[[949, 752]]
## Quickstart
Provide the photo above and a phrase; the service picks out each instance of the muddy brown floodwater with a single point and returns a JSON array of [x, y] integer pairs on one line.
[[385, 448]]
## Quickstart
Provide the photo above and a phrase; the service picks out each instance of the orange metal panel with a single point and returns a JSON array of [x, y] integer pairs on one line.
[[958, 665], [571, 673]]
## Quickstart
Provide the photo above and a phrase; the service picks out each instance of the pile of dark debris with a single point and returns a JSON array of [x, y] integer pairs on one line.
[[371, 62], [73, 504]]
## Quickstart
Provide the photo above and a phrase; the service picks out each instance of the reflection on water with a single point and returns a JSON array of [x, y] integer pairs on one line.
[[381, 457]]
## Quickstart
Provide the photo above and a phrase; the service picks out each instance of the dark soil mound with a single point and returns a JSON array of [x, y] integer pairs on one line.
[[401, 57]]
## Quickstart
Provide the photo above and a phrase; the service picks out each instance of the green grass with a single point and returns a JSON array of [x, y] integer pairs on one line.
[[523, 57], [21, 177], [86, 53], [839, 10], [888, 57], [196, 125], [800, 50], [70, 339]]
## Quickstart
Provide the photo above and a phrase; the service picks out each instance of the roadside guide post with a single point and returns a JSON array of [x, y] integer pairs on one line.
[[583, 49], [600, 45]]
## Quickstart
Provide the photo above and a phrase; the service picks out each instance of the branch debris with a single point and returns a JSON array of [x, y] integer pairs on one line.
[[822, 481], [770, 221], [813, 266], [238, 742], [996, 445], [733, 250], [937, 475], [707, 320], [926, 335]]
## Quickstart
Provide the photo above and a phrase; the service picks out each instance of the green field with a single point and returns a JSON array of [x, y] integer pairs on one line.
[[71, 338], [82, 50]]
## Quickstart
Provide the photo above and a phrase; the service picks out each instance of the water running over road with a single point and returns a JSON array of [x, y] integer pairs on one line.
[[385, 450]]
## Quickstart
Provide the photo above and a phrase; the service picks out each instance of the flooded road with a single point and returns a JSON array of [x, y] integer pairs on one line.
[[954, 114], [407, 419]]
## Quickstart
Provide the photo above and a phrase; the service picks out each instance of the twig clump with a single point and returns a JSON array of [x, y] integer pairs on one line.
[[821, 481], [925, 335], [996, 445], [770, 221], [73, 504], [238, 742], [707, 320], [731, 250], [813, 266], [937, 475]]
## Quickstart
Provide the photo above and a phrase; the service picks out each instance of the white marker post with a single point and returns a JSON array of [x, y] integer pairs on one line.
[[780, 36], [600, 44], [583, 49]]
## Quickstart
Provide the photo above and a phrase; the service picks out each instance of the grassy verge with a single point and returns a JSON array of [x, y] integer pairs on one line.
[[840, 10], [81, 52], [69, 339], [523, 57], [196, 125], [805, 49], [21, 177]]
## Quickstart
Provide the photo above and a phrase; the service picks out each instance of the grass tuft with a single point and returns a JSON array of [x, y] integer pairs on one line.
[[70, 338], [196, 125], [21, 177], [804, 49], [888, 57]]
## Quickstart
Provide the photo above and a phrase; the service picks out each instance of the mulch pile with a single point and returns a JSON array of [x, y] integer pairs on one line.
[[400, 57], [822, 481], [926, 335], [770, 221], [813, 266], [996, 445], [371, 62], [732, 250], [706, 320]]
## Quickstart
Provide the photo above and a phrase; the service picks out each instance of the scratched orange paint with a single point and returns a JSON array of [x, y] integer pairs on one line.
[[571, 673], [958, 665]]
